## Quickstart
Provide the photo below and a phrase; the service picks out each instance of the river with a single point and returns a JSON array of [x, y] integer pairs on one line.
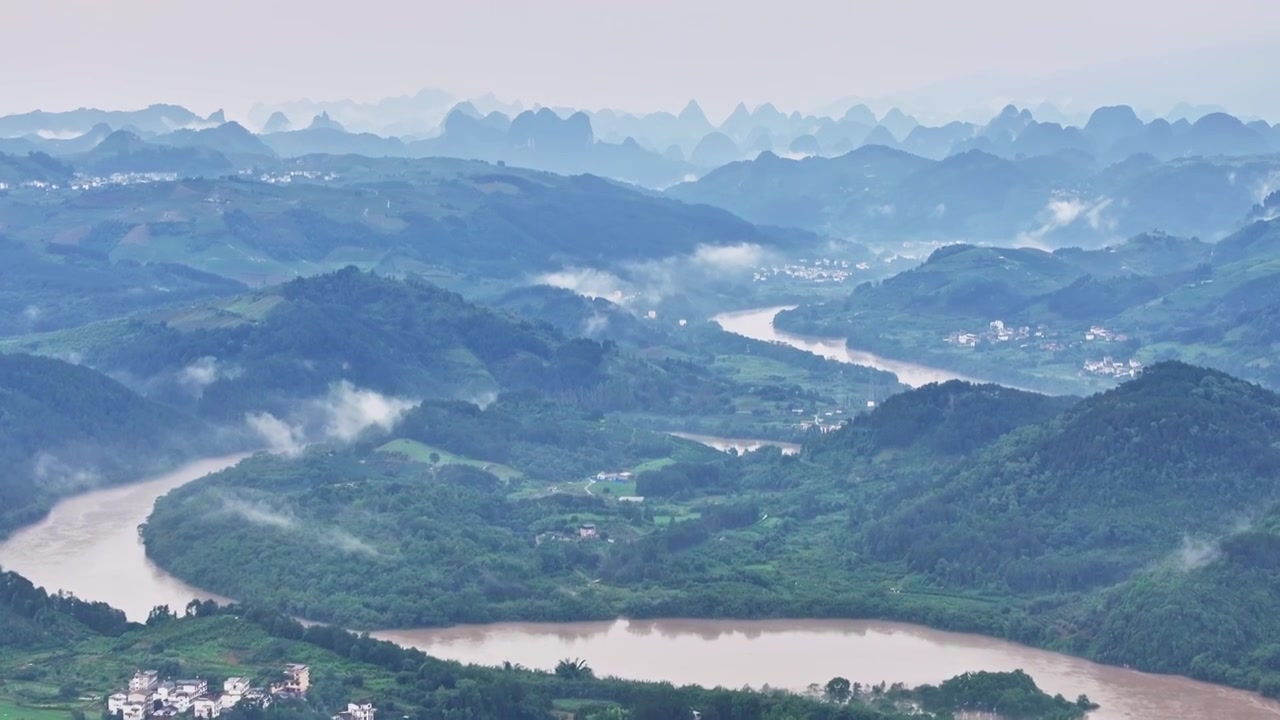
[[89, 545], [757, 324]]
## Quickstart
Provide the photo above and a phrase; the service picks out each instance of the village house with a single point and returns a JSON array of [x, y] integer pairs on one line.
[[149, 698], [297, 680], [588, 531], [144, 681], [631, 498], [193, 688], [207, 706], [357, 711]]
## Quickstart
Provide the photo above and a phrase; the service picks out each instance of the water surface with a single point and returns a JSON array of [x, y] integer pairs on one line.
[[757, 324], [89, 545]]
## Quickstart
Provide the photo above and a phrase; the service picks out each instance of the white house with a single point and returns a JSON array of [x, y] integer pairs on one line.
[[139, 697], [183, 701], [195, 688], [143, 681], [116, 702], [299, 677], [357, 711], [206, 706], [236, 686], [134, 711], [164, 690]]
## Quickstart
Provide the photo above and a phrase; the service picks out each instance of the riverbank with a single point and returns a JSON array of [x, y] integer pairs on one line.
[[88, 546]]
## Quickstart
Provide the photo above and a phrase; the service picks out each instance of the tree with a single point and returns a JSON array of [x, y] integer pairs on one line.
[[159, 614], [838, 689], [434, 457], [574, 669]]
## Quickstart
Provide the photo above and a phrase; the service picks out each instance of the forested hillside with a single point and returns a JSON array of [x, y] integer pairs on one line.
[[65, 428], [965, 507], [1154, 297], [1091, 496]]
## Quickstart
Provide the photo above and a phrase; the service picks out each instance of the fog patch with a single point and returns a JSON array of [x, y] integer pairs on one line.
[[352, 410], [595, 325], [588, 282], [1195, 554], [743, 256], [202, 373], [262, 515], [1063, 211], [347, 542], [280, 437], [341, 416], [32, 313], [258, 514], [54, 473]]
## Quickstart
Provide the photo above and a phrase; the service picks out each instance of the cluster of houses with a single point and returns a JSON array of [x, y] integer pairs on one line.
[[149, 697], [996, 332], [1109, 367], [1098, 333], [823, 270]]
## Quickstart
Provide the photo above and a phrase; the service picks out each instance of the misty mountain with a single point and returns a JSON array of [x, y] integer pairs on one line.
[[328, 138], [444, 217], [153, 119], [65, 429], [229, 139], [125, 152], [277, 123], [391, 116], [33, 167], [1056, 199]]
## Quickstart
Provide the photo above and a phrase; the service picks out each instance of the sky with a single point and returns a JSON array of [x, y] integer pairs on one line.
[[656, 54]]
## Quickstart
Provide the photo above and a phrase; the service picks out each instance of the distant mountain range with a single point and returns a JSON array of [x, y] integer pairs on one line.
[[655, 149], [1063, 197], [1014, 180]]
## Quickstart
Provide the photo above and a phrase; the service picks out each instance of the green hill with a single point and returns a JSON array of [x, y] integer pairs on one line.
[[1083, 525], [1093, 495], [65, 428], [460, 220]]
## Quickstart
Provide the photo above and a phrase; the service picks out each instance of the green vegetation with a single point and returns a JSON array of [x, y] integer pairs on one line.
[[1155, 297], [423, 453], [965, 507], [65, 428], [75, 660]]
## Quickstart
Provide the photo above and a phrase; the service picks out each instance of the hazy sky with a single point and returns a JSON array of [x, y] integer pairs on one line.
[[656, 54]]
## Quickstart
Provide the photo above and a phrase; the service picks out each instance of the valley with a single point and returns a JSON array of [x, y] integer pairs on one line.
[[568, 397]]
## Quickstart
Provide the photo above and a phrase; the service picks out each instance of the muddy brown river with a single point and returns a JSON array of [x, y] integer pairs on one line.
[[757, 324], [89, 545]]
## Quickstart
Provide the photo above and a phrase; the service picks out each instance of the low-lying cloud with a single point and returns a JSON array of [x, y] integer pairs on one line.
[[341, 416], [63, 477], [260, 514], [202, 373], [1063, 211], [650, 282], [1195, 554]]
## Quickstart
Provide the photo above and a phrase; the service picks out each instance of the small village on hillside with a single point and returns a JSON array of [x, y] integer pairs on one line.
[[147, 696]]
